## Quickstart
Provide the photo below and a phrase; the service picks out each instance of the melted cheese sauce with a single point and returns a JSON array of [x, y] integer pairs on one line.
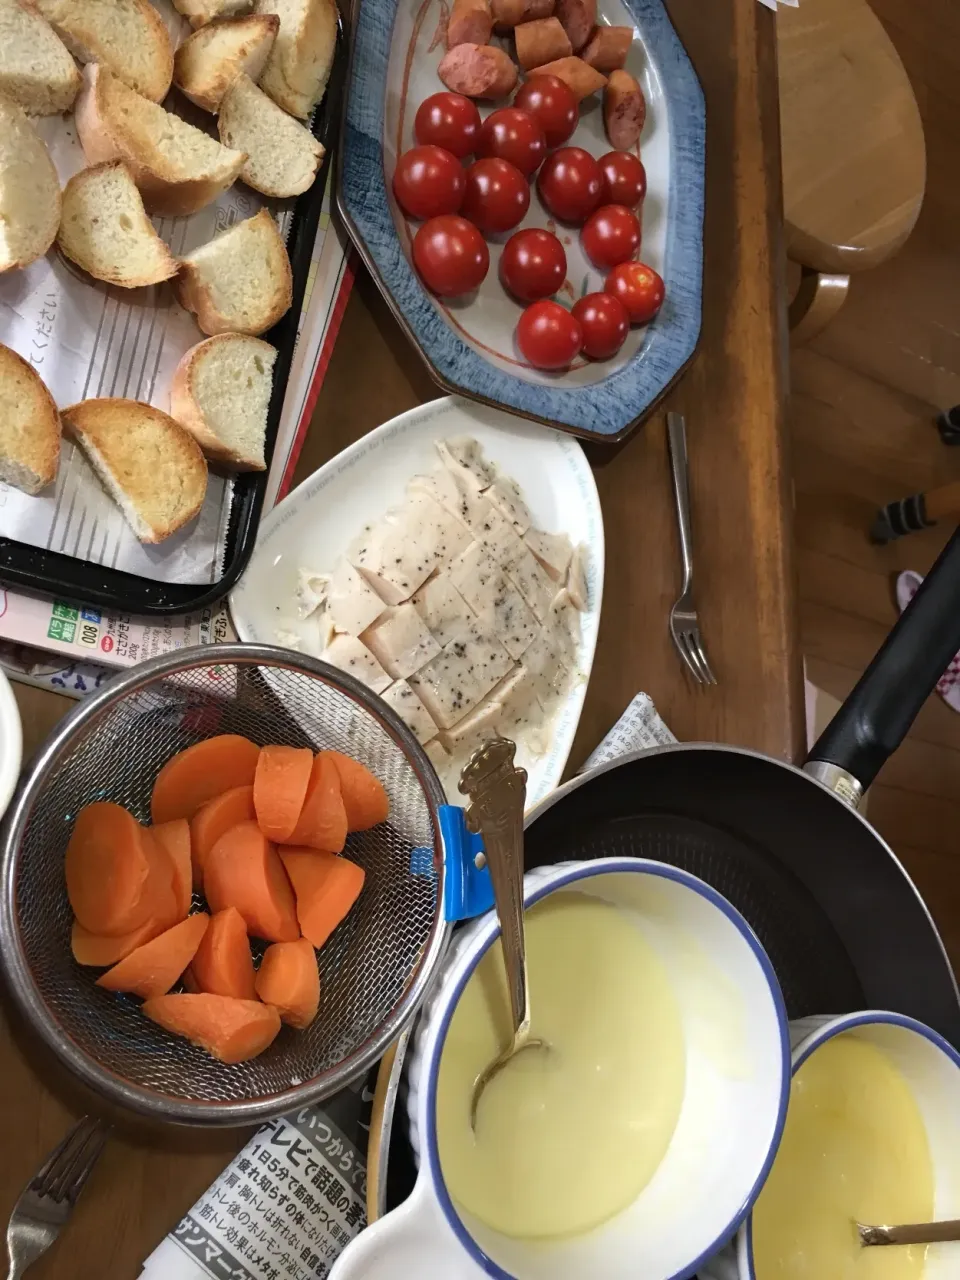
[[854, 1149], [567, 1138]]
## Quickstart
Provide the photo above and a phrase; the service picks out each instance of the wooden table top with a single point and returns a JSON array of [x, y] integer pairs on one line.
[[742, 511]]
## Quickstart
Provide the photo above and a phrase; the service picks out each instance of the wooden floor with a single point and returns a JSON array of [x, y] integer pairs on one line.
[[863, 398]]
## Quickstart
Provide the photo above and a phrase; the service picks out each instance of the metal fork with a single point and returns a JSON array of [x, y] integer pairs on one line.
[[684, 623], [47, 1200]]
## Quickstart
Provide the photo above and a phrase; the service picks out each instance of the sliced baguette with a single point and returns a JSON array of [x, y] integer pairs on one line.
[[36, 69], [104, 229], [151, 467], [299, 65], [177, 168], [208, 62], [126, 36], [29, 426], [239, 282], [29, 190], [200, 12], [283, 156], [221, 393]]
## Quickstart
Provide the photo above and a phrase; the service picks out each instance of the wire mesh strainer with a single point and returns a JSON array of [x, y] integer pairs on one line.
[[373, 972]]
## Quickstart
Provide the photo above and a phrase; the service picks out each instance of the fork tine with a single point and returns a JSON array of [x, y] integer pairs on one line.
[[697, 645], [52, 1178], [92, 1151], [679, 642], [693, 657]]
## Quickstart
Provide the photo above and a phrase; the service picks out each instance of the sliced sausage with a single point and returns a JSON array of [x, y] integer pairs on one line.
[[624, 110], [575, 73], [510, 13], [607, 48], [579, 17], [471, 22], [540, 41], [478, 71]]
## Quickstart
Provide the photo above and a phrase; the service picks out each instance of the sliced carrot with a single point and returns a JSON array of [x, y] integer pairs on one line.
[[288, 978], [280, 788], [152, 969], [364, 798], [192, 777], [323, 819], [174, 837], [117, 877], [100, 950], [215, 818], [242, 870], [223, 965], [326, 887], [229, 1029]]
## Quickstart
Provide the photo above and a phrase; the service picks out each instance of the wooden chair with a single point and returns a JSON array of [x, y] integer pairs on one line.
[[854, 163]]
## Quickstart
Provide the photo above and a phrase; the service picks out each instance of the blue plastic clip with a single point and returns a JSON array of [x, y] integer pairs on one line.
[[467, 888]]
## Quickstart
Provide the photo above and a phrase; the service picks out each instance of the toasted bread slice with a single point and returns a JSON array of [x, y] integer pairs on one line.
[[239, 282], [299, 65], [283, 156], [29, 426], [200, 12], [103, 228], [29, 190], [221, 393], [178, 168], [151, 467], [209, 61], [36, 69], [126, 36]]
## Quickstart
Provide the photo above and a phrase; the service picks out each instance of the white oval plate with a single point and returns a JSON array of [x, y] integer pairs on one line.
[[313, 525]]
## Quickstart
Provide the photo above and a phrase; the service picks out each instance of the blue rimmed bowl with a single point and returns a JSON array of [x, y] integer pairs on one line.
[[468, 343]]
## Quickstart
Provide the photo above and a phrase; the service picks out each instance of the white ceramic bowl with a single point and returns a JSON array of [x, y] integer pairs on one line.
[[11, 743], [737, 1084]]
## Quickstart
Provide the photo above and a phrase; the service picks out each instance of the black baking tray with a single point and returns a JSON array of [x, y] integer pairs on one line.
[[51, 573]]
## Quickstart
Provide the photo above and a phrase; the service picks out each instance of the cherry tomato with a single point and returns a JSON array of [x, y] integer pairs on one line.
[[451, 255], [605, 324], [553, 103], [569, 184], [611, 235], [497, 195], [548, 336], [428, 181], [638, 287], [515, 136], [448, 120], [624, 178], [533, 264]]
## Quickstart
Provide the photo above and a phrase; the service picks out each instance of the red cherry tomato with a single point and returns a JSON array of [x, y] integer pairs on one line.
[[428, 181], [569, 184], [548, 336], [611, 235], [533, 264], [553, 103], [448, 120], [497, 195], [605, 324], [624, 178], [638, 287], [515, 136], [451, 255]]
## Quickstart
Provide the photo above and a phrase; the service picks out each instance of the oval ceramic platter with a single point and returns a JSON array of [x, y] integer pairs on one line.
[[314, 525], [468, 343]]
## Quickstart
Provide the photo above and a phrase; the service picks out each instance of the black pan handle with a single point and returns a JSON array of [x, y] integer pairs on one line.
[[875, 718]]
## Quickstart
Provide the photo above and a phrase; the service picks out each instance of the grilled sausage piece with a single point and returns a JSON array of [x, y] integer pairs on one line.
[[607, 48], [478, 71], [583, 80], [540, 41], [471, 22], [624, 110], [579, 17]]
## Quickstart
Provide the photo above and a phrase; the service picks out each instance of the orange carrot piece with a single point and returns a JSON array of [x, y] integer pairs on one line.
[[100, 950], [326, 887], [288, 978], [174, 837], [242, 870], [215, 818], [192, 777], [152, 969], [229, 1029], [364, 798], [223, 965], [189, 981], [280, 788], [117, 877], [323, 819]]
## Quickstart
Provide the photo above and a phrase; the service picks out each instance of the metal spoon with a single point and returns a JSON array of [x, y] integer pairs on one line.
[[912, 1233], [497, 791]]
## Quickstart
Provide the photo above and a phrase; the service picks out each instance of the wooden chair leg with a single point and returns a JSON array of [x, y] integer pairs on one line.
[[919, 511], [818, 300]]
